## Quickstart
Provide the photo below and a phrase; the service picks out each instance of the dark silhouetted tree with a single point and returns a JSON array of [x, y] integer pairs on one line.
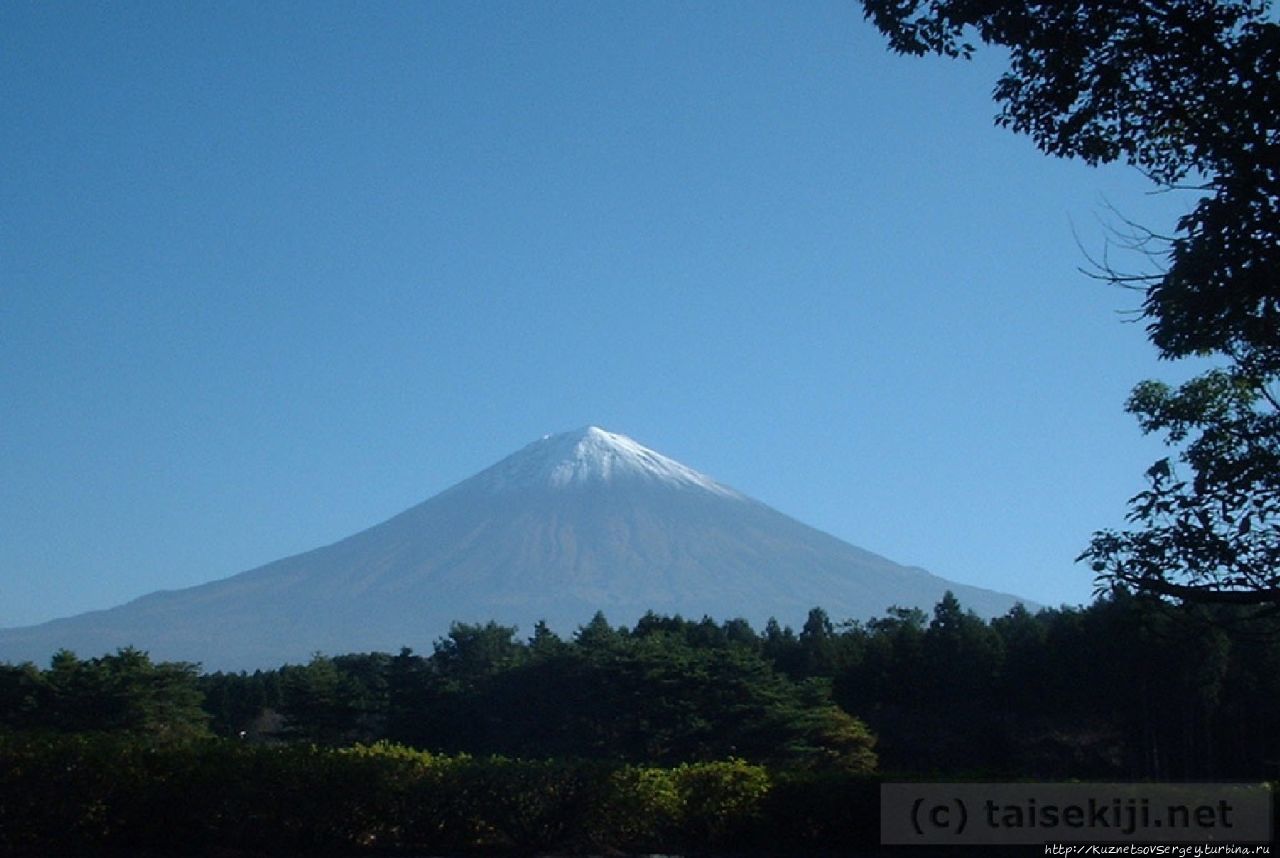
[[124, 692], [1188, 91], [321, 703]]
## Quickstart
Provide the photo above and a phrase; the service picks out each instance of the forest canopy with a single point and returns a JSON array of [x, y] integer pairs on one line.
[[673, 735], [905, 692]]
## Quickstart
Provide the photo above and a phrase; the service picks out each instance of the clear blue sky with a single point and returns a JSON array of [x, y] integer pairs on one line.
[[271, 273]]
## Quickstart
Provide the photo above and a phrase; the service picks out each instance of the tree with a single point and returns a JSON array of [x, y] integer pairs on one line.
[[408, 682], [963, 655], [1218, 527], [463, 670], [780, 646], [544, 642], [24, 696], [1188, 91], [241, 704], [818, 644], [125, 692], [470, 653], [598, 634], [322, 703], [738, 632]]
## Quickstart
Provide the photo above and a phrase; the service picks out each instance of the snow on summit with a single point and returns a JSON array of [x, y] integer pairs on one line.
[[591, 456], [573, 524]]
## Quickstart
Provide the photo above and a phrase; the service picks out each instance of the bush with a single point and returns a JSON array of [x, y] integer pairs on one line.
[[721, 801], [638, 810], [77, 794]]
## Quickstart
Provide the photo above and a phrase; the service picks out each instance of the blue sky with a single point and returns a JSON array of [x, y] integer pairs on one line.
[[271, 273]]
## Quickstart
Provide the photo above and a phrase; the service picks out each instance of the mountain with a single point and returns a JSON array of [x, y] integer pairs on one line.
[[573, 523]]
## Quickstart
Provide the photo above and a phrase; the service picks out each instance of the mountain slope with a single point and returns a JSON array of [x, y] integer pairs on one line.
[[573, 523]]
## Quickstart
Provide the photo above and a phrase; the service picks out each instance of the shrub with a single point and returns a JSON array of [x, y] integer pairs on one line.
[[639, 809], [64, 794], [721, 801]]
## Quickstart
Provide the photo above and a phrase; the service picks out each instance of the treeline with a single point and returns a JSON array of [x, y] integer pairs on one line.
[[124, 693], [664, 692], [1125, 688]]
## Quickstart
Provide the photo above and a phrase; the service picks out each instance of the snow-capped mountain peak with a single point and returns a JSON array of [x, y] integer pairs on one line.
[[572, 524], [591, 456]]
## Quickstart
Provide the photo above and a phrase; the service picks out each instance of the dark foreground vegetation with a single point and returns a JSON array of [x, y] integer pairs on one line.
[[1126, 688], [673, 735], [68, 794]]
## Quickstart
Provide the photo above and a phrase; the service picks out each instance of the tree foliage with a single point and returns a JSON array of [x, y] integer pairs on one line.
[[1188, 91], [124, 692], [111, 794], [1126, 688], [1130, 687], [1219, 525]]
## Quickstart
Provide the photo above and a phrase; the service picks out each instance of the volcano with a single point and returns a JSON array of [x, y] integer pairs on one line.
[[572, 524]]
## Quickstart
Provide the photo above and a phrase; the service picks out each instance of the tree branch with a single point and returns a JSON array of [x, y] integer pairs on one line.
[[1209, 595]]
